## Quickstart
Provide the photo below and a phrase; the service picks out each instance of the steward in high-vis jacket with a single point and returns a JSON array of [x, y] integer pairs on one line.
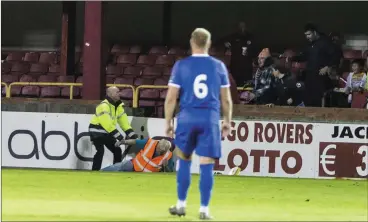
[[102, 128], [154, 156]]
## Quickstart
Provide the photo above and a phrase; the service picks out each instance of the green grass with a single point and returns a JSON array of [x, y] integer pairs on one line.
[[73, 195]]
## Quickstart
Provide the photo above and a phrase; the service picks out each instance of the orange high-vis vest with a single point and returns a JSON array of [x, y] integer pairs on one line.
[[144, 162]]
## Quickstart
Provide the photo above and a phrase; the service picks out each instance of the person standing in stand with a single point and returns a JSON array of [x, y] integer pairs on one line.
[[321, 60], [242, 54]]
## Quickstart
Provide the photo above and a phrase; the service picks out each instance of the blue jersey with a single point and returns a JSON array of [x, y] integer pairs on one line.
[[200, 79]]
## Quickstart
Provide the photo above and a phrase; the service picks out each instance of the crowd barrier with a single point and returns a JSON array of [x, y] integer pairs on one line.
[[135, 90]]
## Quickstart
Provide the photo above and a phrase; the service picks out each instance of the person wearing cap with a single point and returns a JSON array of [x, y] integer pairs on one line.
[[155, 155], [264, 80]]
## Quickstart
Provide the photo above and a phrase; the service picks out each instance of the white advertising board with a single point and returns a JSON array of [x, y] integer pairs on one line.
[[260, 148]]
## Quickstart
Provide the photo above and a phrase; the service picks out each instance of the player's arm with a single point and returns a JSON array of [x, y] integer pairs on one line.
[[172, 93], [226, 101]]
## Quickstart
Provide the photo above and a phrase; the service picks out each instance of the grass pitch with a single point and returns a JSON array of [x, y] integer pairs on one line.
[[95, 196]]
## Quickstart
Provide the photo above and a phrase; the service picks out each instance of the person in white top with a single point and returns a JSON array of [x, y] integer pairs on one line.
[[356, 80]]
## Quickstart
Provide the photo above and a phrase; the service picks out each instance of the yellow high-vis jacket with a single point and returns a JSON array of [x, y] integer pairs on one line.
[[107, 116]]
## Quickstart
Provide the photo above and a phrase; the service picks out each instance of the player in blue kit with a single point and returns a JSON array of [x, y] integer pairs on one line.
[[201, 82]]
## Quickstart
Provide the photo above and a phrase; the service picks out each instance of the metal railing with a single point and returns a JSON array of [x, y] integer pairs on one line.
[[135, 99], [135, 90], [71, 85], [6, 88]]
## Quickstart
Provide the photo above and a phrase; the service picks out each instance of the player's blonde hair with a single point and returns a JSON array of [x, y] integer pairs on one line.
[[201, 38]]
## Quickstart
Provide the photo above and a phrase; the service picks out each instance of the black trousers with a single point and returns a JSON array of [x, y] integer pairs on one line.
[[99, 144]]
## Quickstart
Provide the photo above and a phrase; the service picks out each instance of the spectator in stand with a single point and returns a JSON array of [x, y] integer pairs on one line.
[[264, 91], [321, 59], [289, 90], [339, 55], [242, 54], [356, 80]]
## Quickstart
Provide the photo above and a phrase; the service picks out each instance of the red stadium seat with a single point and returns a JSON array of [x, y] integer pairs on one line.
[[47, 78], [30, 91], [160, 82], [136, 49], [163, 94], [9, 78], [359, 100], [146, 103], [141, 81], [79, 79], [65, 92], [149, 93], [151, 72], [167, 71], [54, 69], [70, 79], [146, 60], [110, 79], [114, 70], [124, 80], [48, 58], [50, 92], [5, 67], [352, 54], [27, 78], [38, 69], [165, 60], [127, 59], [177, 51], [118, 49], [19, 68], [158, 50], [31, 57], [15, 57], [126, 93], [133, 71]]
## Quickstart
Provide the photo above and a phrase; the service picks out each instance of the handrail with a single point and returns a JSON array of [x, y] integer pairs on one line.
[[71, 85], [135, 99], [244, 89], [6, 88]]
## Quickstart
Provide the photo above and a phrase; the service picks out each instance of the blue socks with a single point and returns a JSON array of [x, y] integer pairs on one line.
[[206, 183], [183, 178]]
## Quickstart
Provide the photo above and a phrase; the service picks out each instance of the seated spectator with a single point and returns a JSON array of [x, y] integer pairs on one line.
[[341, 97], [264, 91], [289, 89], [356, 80]]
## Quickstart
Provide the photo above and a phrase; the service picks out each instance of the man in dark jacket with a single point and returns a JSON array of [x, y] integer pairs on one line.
[[290, 91], [242, 54], [321, 59]]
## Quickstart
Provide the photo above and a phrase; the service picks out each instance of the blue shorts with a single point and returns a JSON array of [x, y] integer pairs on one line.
[[204, 138]]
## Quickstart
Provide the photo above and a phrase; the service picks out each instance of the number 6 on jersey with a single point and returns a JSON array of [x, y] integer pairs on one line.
[[199, 86]]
